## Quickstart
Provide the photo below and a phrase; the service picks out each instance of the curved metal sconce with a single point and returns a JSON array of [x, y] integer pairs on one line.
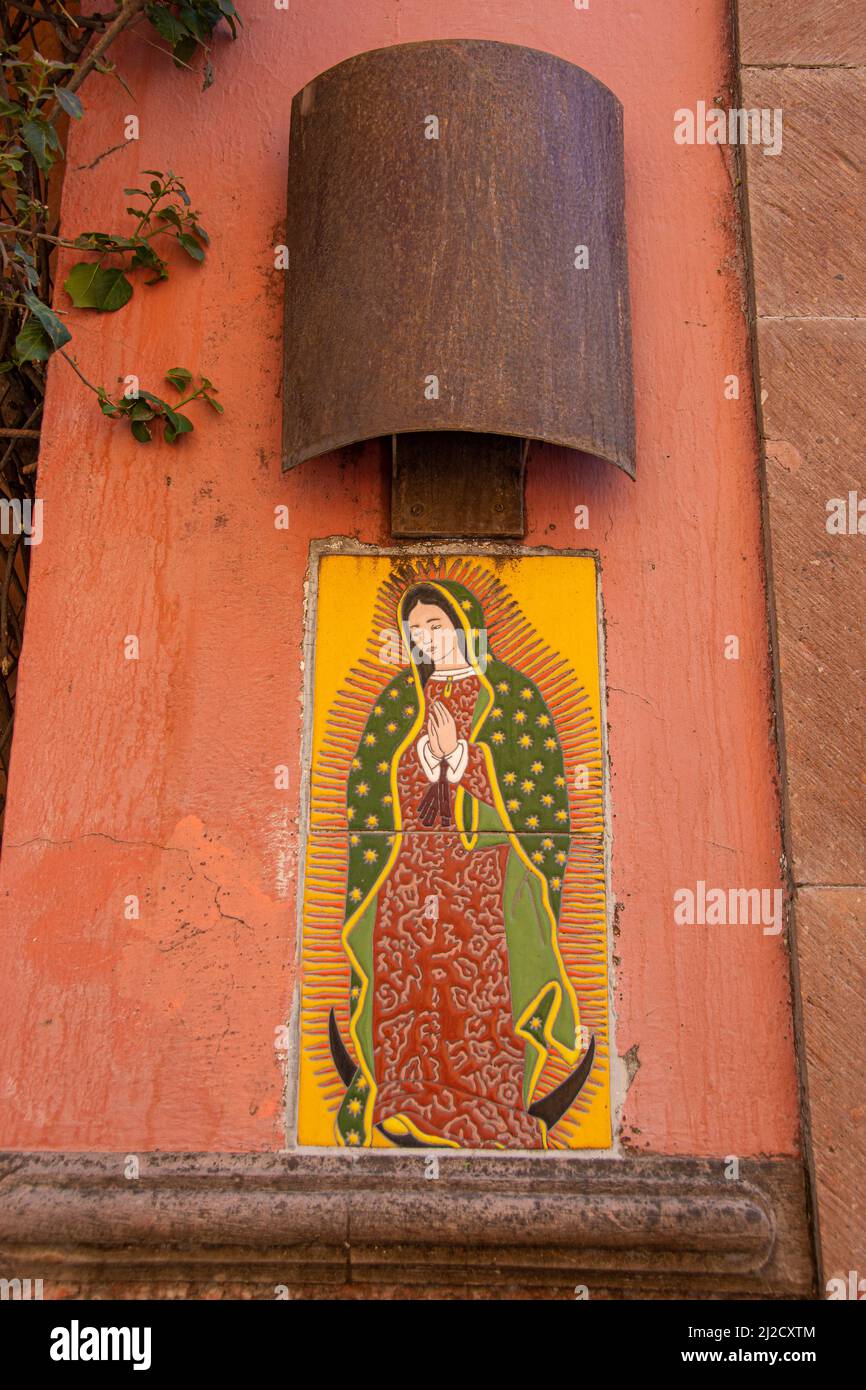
[[457, 268]]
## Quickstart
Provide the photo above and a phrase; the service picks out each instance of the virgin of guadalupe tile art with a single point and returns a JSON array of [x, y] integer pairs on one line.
[[454, 938]]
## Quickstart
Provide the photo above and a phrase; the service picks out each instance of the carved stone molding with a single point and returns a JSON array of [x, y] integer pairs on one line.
[[634, 1227]]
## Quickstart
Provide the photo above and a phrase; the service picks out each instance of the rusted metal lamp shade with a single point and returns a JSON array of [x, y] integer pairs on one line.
[[457, 257]]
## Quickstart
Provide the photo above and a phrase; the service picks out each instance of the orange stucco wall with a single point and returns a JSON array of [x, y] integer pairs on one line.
[[156, 777]]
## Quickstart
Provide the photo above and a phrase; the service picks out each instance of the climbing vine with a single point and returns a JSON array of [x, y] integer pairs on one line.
[[47, 50]]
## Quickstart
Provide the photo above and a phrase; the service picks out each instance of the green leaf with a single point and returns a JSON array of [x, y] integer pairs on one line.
[[29, 264], [42, 334], [95, 241], [191, 246], [194, 21], [184, 50], [10, 108], [33, 343], [179, 377], [215, 405], [91, 287], [70, 101], [165, 23], [175, 425], [145, 255], [55, 328], [201, 233], [102, 241], [36, 135], [141, 431], [141, 411]]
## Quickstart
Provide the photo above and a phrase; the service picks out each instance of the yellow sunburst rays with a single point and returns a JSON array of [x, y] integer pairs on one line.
[[326, 974], [325, 978], [582, 922]]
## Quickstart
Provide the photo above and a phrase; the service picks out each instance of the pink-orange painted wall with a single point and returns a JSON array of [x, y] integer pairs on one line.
[[156, 777]]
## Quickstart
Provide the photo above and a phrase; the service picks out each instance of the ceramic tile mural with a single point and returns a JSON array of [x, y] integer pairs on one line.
[[454, 935]]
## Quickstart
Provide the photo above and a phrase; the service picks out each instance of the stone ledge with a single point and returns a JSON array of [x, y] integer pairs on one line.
[[638, 1227]]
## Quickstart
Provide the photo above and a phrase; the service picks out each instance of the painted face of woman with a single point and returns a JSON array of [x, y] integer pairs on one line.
[[433, 636]]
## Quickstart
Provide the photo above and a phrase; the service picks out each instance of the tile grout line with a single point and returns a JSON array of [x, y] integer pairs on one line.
[[803, 67], [811, 318], [857, 887]]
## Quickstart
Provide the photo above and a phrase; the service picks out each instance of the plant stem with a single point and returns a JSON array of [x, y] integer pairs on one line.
[[75, 367], [37, 236], [129, 12]]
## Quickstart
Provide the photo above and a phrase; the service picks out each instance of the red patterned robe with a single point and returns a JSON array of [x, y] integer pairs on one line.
[[446, 1054]]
